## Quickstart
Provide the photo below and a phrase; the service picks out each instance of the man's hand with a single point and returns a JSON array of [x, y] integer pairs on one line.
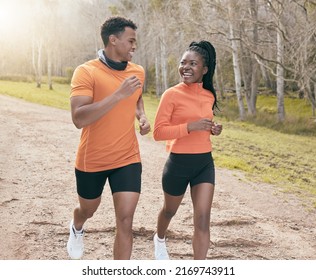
[[144, 125], [128, 87]]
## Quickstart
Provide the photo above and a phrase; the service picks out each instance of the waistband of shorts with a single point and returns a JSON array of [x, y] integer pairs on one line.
[[191, 159]]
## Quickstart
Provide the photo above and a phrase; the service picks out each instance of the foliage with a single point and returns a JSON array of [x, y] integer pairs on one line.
[[298, 114]]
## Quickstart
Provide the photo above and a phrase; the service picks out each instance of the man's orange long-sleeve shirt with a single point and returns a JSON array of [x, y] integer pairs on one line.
[[180, 105]]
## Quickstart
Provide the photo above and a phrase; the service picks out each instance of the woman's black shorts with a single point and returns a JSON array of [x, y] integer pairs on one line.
[[123, 179], [182, 169]]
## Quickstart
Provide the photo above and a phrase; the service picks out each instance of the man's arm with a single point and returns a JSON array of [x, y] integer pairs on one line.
[[85, 112]]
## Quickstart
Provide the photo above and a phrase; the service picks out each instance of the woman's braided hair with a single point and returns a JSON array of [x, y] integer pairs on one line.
[[208, 53]]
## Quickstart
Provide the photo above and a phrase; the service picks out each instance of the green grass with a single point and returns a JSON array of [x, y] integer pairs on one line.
[[299, 119], [270, 156], [261, 150], [58, 97]]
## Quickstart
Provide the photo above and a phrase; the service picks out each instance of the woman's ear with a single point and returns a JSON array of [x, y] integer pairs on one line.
[[205, 69]]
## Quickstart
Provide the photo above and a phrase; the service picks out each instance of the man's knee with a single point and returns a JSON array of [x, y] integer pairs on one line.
[[168, 214], [124, 222], [202, 223]]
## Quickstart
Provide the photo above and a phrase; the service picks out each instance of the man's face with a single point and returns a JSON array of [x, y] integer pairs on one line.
[[125, 44]]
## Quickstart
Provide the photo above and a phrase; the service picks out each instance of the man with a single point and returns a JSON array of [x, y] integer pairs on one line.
[[106, 94]]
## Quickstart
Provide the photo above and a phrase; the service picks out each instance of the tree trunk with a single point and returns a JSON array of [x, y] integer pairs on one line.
[[237, 74], [254, 64], [314, 100], [245, 66], [49, 69], [311, 95], [39, 65], [164, 68], [157, 71], [219, 80], [280, 76], [37, 62]]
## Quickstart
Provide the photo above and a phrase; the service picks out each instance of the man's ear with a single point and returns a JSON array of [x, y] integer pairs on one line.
[[112, 39]]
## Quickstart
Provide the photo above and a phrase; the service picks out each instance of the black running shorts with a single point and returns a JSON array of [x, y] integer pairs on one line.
[[182, 169], [123, 179]]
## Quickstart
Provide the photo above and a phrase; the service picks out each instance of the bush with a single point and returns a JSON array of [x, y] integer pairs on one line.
[[18, 78], [61, 80], [69, 72]]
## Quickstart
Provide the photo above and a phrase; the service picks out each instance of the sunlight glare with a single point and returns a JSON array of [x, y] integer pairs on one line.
[[13, 18], [6, 14]]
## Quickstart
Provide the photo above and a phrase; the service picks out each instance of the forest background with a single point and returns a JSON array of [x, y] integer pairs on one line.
[[265, 76]]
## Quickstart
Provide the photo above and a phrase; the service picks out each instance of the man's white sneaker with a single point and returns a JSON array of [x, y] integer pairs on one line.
[[160, 249], [75, 243]]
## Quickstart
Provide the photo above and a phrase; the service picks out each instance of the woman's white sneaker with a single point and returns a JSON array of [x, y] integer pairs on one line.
[[160, 249], [75, 245]]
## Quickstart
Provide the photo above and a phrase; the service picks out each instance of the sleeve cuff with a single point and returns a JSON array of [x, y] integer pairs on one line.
[[183, 129]]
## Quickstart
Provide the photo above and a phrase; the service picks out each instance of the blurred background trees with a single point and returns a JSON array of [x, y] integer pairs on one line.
[[261, 45]]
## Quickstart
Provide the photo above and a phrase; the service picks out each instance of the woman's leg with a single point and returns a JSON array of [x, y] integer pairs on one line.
[[202, 197], [169, 209]]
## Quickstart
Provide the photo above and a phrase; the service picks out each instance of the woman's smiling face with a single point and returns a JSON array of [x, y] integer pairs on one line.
[[191, 68]]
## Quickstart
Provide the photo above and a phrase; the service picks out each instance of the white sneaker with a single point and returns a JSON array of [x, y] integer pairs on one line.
[[75, 243], [160, 249]]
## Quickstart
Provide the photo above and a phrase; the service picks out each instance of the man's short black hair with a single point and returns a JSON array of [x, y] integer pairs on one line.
[[115, 26]]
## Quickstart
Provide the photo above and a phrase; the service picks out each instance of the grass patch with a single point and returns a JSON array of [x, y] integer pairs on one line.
[[299, 119], [264, 152], [58, 97], [269, 156], [231, 162]]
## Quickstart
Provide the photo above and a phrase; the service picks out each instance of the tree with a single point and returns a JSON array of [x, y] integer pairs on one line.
[[236, 61]]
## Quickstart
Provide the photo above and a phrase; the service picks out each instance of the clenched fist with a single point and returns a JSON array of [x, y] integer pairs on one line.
[[128, 87]]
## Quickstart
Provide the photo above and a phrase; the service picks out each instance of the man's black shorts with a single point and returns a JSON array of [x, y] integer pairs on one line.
[[123, 179]]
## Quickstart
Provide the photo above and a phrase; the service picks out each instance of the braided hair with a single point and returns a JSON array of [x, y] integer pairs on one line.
[[208, 53]]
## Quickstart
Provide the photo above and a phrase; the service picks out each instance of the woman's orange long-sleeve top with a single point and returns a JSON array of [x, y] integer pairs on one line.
[[180, 105]]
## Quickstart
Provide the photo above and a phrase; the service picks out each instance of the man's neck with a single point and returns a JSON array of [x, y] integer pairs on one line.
[[109, 62]]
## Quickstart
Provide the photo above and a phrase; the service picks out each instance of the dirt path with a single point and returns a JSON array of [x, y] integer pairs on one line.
[[37, 196]]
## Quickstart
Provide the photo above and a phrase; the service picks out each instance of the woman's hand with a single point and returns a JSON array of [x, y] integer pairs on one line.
[[202, 124], [216, 129]]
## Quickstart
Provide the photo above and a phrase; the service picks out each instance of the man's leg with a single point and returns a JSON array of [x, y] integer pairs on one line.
[[85, 210], [125, 204]]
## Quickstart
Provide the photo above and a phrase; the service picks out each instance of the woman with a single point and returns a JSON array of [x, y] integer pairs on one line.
[[185, 120]]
